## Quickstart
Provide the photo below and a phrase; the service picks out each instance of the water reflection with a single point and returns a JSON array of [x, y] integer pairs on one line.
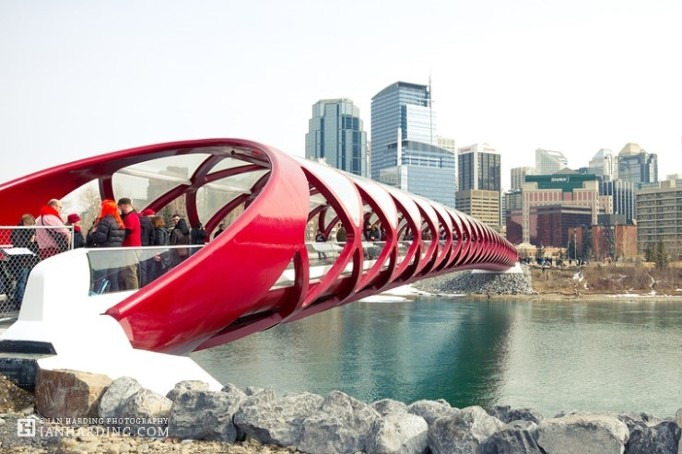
[[551, 356]]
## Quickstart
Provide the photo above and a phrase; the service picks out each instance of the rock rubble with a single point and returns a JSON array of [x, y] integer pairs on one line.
[[192, 418], [470, 283]]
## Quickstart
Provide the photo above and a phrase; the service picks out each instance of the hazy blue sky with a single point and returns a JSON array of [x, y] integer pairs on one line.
[[79, 78]]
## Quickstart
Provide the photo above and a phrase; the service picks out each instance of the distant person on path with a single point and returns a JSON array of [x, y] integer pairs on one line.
[[133, 238], [180, 235], [24, 263], [108, 231], [56, 238], [74, 220], [221, 229]]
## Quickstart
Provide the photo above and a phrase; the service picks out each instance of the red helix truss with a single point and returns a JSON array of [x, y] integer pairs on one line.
[[234, 285]]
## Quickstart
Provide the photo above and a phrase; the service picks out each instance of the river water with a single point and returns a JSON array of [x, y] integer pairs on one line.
[[551, 356]]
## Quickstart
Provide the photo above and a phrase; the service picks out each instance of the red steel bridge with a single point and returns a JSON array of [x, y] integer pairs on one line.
[[261, 271]]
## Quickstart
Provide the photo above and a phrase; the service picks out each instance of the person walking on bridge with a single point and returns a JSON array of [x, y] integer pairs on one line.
[[133, 238]]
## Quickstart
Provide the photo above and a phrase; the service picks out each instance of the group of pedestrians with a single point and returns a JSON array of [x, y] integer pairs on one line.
[[118, 224]]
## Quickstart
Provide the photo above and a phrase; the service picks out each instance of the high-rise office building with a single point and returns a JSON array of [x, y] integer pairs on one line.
[[518, 176], [479, 168], [659, 217], [624, 200], [604, 164], [335, 134], [548, 162], [404, 151], [637, 166]]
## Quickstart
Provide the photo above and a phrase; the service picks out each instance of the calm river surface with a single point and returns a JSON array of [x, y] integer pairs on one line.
[[552, 356]]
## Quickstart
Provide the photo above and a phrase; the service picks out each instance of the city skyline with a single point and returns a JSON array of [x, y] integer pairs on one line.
[[82, 79]]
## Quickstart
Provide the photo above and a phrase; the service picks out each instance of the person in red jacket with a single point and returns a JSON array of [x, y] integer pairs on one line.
[[133, 238]]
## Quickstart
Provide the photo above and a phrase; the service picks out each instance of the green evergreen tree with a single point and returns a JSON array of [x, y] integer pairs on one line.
[[660, 255]]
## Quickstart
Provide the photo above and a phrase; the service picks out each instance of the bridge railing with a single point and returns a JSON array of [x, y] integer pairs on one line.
[[21, 248]]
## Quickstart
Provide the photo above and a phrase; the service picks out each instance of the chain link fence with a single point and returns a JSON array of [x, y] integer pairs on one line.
[[21, 249]]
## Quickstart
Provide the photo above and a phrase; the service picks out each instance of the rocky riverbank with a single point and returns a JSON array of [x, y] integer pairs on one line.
[[122, 416], [478, 283]]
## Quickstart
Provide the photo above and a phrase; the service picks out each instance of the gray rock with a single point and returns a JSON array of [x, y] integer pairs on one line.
[[398, 432], [678, 417], [431, 410], [507, 414], [252, 390], [387, 406], [462, 432], [142, 407], [662, 438], [118, 392], [278, 421], [634, 420], [582, 433], [186, 385], [517, 437], [204, 415], [340, 425], [233, 389]]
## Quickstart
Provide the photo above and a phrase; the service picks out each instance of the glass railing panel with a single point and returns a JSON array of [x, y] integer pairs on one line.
[[125, 269]]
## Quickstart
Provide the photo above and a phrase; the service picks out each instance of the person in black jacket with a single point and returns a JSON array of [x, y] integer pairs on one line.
[[109, 231], [147, 234], [162, 259], [24, 263], [198, 236], [180, 235]]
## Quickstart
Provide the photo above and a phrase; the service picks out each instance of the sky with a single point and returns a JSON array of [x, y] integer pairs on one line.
[[80, 78]]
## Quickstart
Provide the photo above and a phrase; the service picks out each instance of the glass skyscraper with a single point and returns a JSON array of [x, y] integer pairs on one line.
[[404, 151], [335, 134], [637, 166]]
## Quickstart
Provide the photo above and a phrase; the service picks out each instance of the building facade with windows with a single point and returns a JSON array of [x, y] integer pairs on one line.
[[659, 217], [404, 150], [479, 183], [548, 162], [336, 135], [637, 166], [572, 195]]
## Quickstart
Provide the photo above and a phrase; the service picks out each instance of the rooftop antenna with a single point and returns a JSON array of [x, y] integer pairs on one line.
[[430, 109]]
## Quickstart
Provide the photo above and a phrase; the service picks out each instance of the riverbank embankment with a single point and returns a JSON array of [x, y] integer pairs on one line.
[[125, 417]]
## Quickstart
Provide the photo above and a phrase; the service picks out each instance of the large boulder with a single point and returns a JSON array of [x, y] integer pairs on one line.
[[582, 433], [186, 386], [431, 410], [69, 393], [204, 415], [634, 420], [517, 437], [462, 432], [119, 390], [398, 432], [277, 421], [388, 406], [662, 438], [507, 414], [341, 425], [144, 410]]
